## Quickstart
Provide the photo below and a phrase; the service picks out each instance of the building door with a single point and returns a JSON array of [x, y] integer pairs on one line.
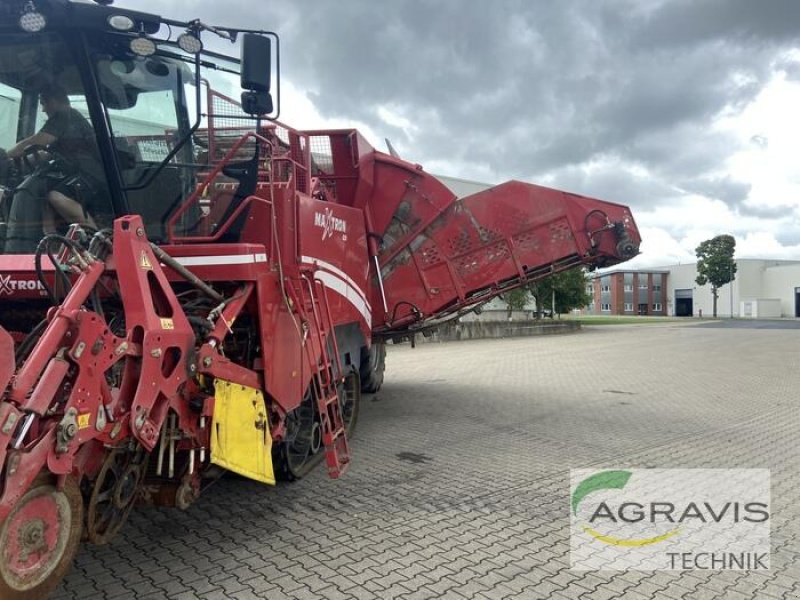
[[684, 303], [643, 309], [797, 302]]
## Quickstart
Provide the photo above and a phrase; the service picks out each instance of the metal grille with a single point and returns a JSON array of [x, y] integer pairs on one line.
[[321, 154], [487, 235], [287, 148], [460, 244], [228, 123], [282, 134], [279, 148], [431, 256], [498, 252], [466, 265], [560, 230], [526, 241]]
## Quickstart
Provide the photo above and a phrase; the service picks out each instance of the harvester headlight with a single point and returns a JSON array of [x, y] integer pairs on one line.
[[190, 43], [121, 22], [143, 46], [31, 20]]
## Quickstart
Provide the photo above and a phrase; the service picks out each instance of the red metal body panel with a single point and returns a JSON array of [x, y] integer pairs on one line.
[[332, 239], [285, 372], [220, 262]]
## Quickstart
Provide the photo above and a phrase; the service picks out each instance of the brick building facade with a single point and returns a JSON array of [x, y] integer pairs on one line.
[[629, 293]]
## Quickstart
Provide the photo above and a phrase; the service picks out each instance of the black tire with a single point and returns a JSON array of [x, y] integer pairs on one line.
[[351, 398], [294, 459], [373, 364]]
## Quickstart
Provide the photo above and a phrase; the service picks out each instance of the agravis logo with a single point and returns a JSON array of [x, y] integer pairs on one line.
[[670, 519]]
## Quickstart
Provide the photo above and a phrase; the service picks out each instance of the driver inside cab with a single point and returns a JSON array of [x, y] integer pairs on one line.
[[66, 178]]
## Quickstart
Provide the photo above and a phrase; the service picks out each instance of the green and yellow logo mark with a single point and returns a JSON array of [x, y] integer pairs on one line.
[[611, 480]]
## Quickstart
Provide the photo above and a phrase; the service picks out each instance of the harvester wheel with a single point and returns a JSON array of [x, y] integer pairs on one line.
[[350, 401], [114, 493], [39, 539], [373, 364], [293, 457]]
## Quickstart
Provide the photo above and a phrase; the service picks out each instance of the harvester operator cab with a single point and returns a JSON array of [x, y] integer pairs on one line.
[[131, 129], [51, 166]]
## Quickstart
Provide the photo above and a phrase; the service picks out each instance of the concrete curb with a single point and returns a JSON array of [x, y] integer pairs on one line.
[[479, 330]]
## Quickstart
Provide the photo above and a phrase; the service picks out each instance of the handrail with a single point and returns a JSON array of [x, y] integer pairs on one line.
[[202, 188], [225, 226]]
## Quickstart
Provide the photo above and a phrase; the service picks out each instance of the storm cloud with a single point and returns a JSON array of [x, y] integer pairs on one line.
[[615, 98]]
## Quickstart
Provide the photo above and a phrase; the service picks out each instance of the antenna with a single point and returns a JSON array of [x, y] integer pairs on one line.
[[391, 149]]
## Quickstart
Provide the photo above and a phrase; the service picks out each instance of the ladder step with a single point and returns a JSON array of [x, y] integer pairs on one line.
[[337, 433], [314, 303]]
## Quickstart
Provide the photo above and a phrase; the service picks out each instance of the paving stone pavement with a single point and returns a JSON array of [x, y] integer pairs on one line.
[[460, 481]]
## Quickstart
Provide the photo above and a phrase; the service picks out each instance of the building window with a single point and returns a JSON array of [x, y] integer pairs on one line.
[[605, 307], [589, 290], [642, 285], [657, 287], [605, 288], [657, 307], [628, 307], [628, 287]]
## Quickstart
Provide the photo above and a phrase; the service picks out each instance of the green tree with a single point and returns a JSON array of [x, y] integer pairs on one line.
[[568, 288], [715, 263], [516, 300]]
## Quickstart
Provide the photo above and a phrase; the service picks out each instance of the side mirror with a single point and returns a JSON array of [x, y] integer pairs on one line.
[[257, 103], [256, 74]]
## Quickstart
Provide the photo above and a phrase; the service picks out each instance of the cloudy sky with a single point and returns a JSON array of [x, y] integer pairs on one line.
[[688, 111]]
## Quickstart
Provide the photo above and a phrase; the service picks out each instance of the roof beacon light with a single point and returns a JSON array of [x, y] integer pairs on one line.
[[31, 20], [121, 22], [190, 42]]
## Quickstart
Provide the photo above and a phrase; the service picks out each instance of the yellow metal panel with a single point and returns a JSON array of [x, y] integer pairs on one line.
[[240, 439]]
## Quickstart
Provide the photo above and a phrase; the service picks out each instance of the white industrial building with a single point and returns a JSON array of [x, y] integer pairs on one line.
[[762, 289]]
